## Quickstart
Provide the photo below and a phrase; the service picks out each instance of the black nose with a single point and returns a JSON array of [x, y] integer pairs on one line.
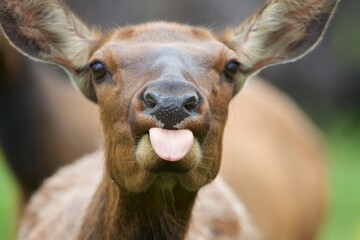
[[171, 102]]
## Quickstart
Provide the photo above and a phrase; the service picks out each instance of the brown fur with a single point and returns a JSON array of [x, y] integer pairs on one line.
[[131, 202]]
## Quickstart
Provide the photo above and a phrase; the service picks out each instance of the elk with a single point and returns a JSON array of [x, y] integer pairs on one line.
[[163, 91]]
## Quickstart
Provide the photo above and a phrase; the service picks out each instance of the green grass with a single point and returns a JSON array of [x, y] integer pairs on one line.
[[8, 203], [343, 148], [342, 223]]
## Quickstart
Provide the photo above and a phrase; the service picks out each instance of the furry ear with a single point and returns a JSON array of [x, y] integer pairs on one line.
[[279, 32], [48, 31]]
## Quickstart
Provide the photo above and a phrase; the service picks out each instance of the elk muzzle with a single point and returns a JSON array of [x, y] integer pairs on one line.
[[170, 118]]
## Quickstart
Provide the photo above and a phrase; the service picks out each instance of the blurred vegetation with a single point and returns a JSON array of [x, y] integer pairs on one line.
[[9, 203], [342, 142]]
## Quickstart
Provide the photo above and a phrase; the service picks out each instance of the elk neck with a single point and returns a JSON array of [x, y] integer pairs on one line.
[[116, 213]]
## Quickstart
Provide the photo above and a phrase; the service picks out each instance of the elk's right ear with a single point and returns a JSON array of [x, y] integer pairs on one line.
[[48, 31], [280, 31]]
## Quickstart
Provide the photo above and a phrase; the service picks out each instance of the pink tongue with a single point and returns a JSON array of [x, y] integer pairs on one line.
[[171, 145]]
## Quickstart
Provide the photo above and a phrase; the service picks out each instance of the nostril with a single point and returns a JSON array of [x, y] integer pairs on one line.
[[150, 100], [191, 103]]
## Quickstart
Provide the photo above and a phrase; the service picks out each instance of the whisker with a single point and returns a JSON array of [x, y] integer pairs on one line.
[[210, 158], [203, 166], [205, 178]]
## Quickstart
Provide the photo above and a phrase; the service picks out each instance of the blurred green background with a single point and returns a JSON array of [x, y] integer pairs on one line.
[[342, 143], [9, 200]]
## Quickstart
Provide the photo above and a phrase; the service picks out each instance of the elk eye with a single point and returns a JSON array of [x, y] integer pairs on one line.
[[98, 70], [231, 69]]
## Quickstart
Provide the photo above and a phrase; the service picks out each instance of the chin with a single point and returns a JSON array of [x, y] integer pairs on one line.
[[149, 170]]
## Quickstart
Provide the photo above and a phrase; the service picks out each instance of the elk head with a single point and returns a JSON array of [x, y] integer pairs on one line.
[[163, 89]]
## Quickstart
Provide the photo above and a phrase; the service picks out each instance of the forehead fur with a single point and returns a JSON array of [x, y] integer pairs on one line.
[[162, 32]]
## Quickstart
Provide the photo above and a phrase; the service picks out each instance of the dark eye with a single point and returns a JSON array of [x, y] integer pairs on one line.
[[231, 69], [98, 70]]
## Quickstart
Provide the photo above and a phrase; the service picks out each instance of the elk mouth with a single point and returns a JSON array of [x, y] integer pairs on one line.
[[168, 151], [171, 145]]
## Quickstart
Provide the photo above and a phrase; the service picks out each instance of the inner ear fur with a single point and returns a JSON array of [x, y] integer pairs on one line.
[[48, 31], [279, 32]]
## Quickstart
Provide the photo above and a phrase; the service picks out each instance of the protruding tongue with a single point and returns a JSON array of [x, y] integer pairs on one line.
[[171, 145]]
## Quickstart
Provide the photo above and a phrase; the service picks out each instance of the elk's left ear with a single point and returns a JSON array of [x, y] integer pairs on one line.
[[280, 31], [48, 31]]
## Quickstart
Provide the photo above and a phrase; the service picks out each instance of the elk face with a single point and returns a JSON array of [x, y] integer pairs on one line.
[[163, 91]]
